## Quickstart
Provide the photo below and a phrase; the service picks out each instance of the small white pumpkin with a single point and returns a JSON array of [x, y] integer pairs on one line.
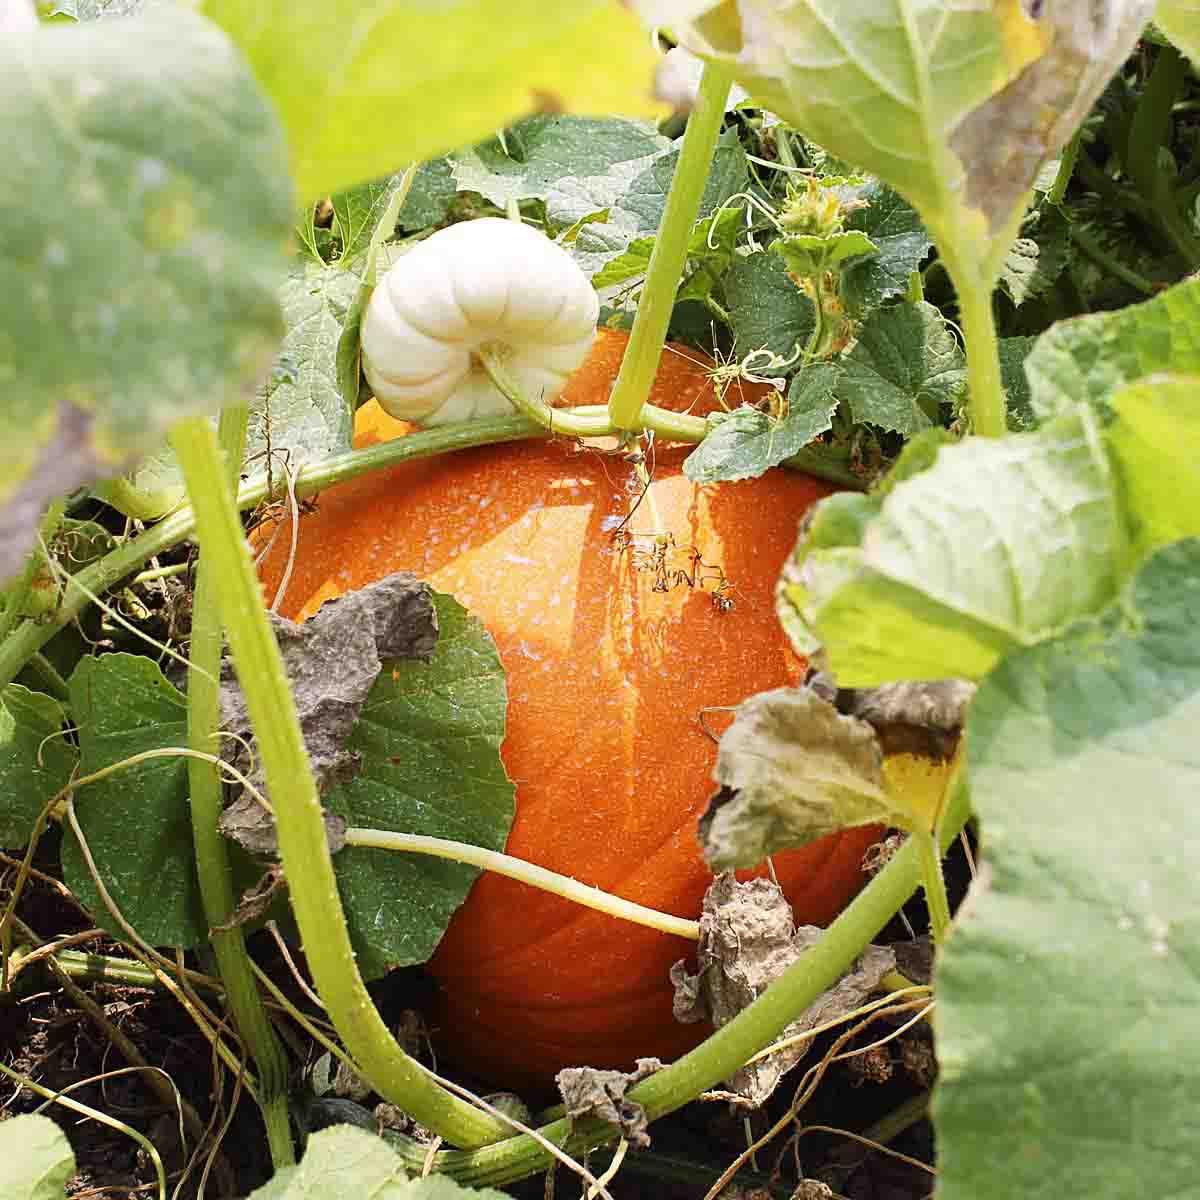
[[485, 282]]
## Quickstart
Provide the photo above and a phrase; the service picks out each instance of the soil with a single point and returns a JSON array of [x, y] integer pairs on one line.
[[45, 1036]]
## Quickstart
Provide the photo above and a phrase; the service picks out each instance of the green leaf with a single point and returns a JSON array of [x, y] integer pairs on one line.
[[302, 415], [1154, 445], [811, 254], [902, 243], [343, 1161], [1037, 259], [430, 196], [140, 275], [1087, 359], [36, 1160], [1066, 999], [136, 820], [362, 92], [35, 760], [1013, 353], [356, 213], [634, 195], [710, 252], [999, 544], [746, 443], [905, 365], [429, 740], [540, 151], [1180, 20], [766, 309]]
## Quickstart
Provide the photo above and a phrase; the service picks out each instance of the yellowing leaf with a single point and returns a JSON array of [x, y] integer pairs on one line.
[[364, 89], [916, 787], [954, 104]]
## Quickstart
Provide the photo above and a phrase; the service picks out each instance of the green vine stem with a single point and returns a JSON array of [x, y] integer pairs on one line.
[[673, 426], [212, 858], [128, 558], [527, 873], [303, 848], [974, 282], [669, 255], [726, 1050]]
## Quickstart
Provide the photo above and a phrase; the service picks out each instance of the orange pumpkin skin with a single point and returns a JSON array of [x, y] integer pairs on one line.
[[606, 680]]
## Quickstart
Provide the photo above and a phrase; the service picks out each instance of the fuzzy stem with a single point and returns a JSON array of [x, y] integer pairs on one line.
[[527, 873], [987, 403], [303, 848], [212, 858], [669, 255], [934, 883]]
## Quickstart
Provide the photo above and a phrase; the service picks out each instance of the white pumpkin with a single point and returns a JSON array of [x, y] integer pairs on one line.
[[485, 282]]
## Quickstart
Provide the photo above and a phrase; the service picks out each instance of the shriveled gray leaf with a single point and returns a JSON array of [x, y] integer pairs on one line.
[[589, 1092], [747, 940], [792, 769], [923, 718], [332, 661]]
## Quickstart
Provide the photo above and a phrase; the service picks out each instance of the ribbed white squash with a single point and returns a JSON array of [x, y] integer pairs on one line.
[[489, 281]]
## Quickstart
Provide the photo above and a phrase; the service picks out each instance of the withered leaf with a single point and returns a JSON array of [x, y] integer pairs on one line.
[[924, 718], [793, 769], [332, 661], [1005, 140], [589, 1092], [747, 940]]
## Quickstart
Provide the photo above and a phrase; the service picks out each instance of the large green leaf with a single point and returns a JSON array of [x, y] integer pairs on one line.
[[1089, 358], [999, 544], [630, 198], [1154, 444], [904, 367], [35, 759], [539, 152], [36, 1160], [767, 310], [1067, 997], [140, 269], [136, 820], [1180, 20], [896, 231], [428, 739], [364, 90]]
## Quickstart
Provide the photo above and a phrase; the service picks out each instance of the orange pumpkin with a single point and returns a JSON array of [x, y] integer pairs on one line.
[[607, 678]]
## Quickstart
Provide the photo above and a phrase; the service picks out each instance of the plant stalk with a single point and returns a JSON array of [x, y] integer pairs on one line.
[[730, 1047], [669, 255], [303, 848], [212, 859], [987, 403], [129, 557]]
